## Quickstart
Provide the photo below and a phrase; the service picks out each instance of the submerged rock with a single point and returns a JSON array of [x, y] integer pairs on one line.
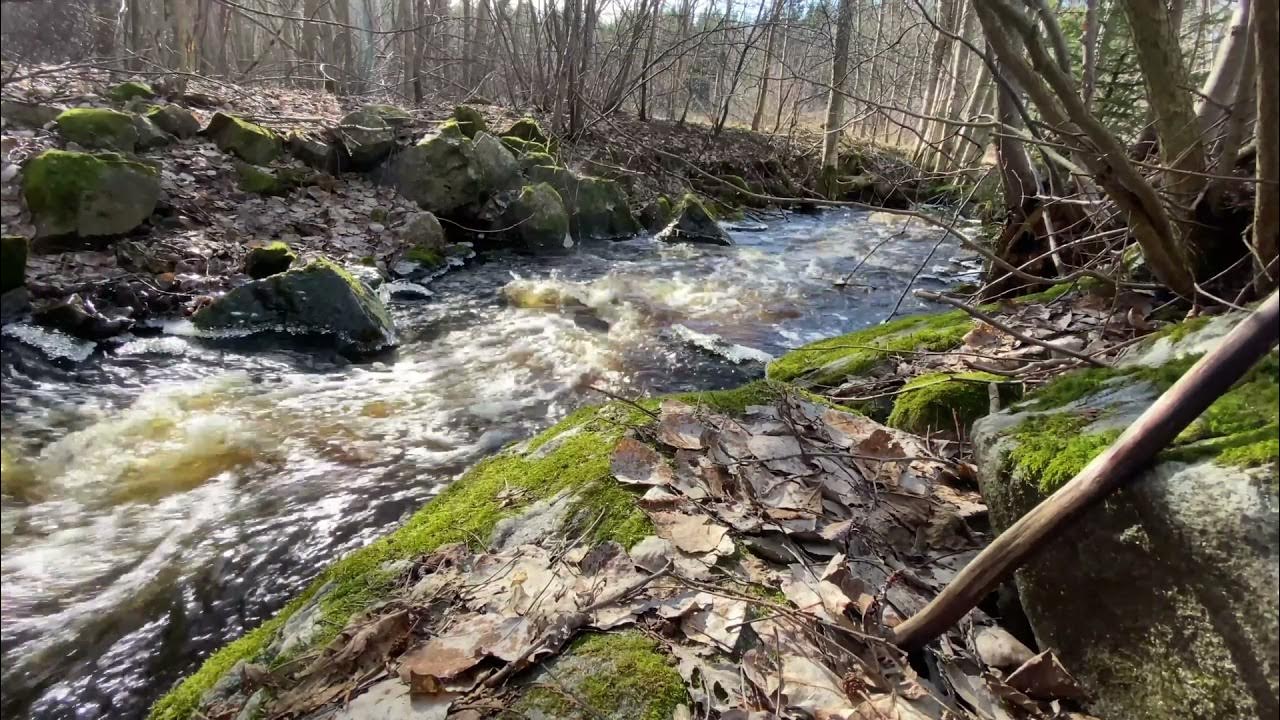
[[319, 298], [268, 260], [174, 119], [99, 128], [13, 262], [88, 195], [694, 224], [247, 141], [1162, 601], [367, 138], [541, 221]]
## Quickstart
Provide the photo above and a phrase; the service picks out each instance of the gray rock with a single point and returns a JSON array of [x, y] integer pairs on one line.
[[149, 134], [175, 120], [319, 298], [447, 174], [367, 138], [25, 114], [693, 224], [536, 523], [318, 152], [540, 220], [78, 317], [597, 208], [247, 141], [422, 230], [88, 195]]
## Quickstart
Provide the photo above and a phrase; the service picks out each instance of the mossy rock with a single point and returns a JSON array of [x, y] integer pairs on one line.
[[497, 167], [132, 90], [541, 221], [657, 214], [534, 159], [427, 256], [946, 402], [522, 147], [150, 135], [267, 260], [529, 130], [367, 138], [470, 120], [13, 262], [25, 114], [174, 119], [317, 152], [693, 223], [247, 141], [88, 195], [1160, 599], [614, 676], [448, 174], [390, 114], [423, 230], [831, 361], [98, 128], [598, 208], [259, 181], [319, 298]]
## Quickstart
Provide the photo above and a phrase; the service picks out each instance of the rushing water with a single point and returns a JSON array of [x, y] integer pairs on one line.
[[165, 493]]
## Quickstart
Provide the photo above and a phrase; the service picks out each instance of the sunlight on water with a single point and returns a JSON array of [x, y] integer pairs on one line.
[[169, 491]]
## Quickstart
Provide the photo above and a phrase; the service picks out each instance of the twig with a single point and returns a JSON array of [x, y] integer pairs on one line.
[[988, 319], [622, 399]]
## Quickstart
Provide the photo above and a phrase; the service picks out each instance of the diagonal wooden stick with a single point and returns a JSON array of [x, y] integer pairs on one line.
[[1208, 379]]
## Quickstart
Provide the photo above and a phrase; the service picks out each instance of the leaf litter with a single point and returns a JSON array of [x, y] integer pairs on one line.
[[864, 525]]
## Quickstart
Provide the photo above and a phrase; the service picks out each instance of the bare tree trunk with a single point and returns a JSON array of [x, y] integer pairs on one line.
[[655, 17], [835, 98], [762, 95], [950, 100], [941, 42], [1219, 86], [1090, 51], [1266, 211]]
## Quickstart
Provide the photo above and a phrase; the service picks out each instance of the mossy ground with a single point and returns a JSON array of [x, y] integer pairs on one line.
[[830, 361], [613, 675]]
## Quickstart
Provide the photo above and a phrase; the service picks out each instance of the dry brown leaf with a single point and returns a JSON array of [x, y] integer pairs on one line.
[[638, 464], [679, 427], [695, 534]]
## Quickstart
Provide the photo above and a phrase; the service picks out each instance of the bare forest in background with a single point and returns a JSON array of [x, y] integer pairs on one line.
[[1110, 123]]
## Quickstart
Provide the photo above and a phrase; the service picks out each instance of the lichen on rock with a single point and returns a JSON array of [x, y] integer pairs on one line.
[[367, 137], [98, 128], [269, 259], [88, 195]]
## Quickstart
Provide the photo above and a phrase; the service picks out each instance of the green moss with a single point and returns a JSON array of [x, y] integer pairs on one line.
[[527, 129], [275, 257], [256, 180], [943, 401], [98, 128], [247, 141], [55, 181], [1051, 449], [1179, 331], [830, 361], [470, 120], [1072, 386], [449, 128], [733, 401], [425, 256], [126, 91], [616, 675], [612, 511]]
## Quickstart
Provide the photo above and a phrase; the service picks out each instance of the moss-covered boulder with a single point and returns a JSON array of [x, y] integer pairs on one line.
[[247, 141], [174, 119], [25, 114], [367, 138], [1162, 600], [260, 181], [692, 223], [317, 151], [449, 174], [470, 120], [534, 159], [598, 208], [267, 260], [88, 195], [947, 403], [522, 147], [541, 221], [149, 134], [422, 230], [13, 262], [656, 214], [131, 90], [527, 129], [98, 128], [394, 116], [619, 676], [319, 298]]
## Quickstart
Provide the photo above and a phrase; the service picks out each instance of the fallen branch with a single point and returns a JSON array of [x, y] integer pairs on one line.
[[1173, 411], [990, 320]]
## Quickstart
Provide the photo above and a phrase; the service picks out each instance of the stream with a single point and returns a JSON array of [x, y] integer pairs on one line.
[[163, 493]]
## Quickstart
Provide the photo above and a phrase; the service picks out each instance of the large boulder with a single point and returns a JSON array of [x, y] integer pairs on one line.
[[98, 128], [597, 207], [247, 141], [318, 151], [390, 114], [174, 119], [319, 298], [422, 230], [25, 114], [527, 129], [1163, 600], [131, 90], [540, 219], [449, 174], [367, 137], [13, 262], [88, 195], [150, 135], [693, 224]]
